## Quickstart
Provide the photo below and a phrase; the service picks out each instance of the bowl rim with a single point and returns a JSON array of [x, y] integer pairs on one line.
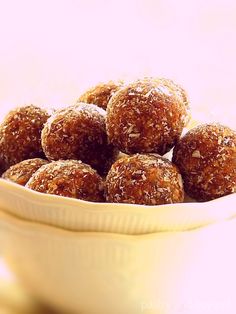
[[48, 230], [33, 228], [95, 206]]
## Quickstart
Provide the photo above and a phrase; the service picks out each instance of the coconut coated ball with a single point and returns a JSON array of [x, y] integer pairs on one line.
[[179, 92], [147, 116], [144, 179], [23, 171], [20, 135], [1, 168], [206, 157], [69, 178], [79, 132], [100, 94]]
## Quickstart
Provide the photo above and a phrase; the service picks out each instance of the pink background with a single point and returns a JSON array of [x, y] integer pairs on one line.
[[51, 50]]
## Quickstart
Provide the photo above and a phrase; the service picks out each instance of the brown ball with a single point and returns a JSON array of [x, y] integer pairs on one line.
[[100, 94], [79, 132], [69, 178], [20, 135], [206, 157], [146, 116], [1, 167], [144, 179], [179, 92], [23, 171]]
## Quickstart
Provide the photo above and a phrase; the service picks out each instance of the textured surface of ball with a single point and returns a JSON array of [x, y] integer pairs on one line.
[[100, 94], [147, 116], [20, 135], [21, 173], [180, 93], [69, 178], [206, 157], [79, 132], [144, 179]]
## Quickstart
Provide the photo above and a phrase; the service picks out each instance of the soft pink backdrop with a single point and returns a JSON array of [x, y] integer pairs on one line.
[[51, 50]]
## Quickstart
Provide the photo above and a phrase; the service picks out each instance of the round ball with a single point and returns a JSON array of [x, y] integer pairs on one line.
[[79, 132], [146, 116], [206, 157], [144, 179], [23, 171], [100, 94], [1, 167], [69, 178], [20, 135], [179, 92]]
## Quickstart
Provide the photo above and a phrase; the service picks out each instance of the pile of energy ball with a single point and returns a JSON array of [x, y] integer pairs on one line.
[[110, 146]]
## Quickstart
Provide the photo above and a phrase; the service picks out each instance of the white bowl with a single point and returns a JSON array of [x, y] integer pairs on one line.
[[189, 272], [77, 215]]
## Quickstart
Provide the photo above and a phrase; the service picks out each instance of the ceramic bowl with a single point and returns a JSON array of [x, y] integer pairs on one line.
[[77, 215], [188, 272]]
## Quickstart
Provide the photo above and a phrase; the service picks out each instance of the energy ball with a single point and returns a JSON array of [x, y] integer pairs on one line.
[[179, 92], [79, 132], [147, 116], [20, 135], [100, 94], [69, 178], [1, 168], [23, 171], [206, 157], [144, 179]]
